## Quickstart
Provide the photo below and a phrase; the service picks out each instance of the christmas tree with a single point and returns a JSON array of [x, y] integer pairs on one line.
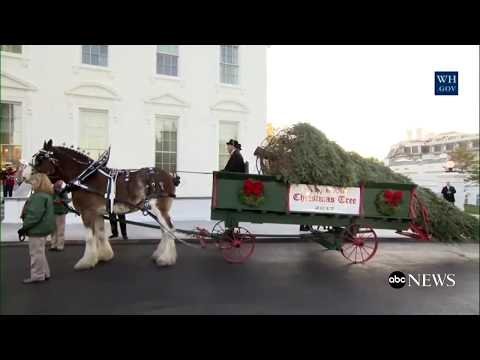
[[302, 154]]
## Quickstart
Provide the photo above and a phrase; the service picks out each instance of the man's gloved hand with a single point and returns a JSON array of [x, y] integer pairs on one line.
[[68, 188], [21, 234]]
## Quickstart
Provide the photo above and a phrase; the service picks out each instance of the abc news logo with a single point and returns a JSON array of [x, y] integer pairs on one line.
[[397, 280]]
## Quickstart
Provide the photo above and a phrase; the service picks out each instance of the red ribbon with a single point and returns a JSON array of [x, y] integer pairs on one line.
[[253, 188], [393, 198]]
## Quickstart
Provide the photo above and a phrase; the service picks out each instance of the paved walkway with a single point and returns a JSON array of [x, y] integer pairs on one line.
[[284, 278]]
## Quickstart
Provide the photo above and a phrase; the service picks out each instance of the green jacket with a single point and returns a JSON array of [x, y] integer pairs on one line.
[[58, 204], [38, 216]]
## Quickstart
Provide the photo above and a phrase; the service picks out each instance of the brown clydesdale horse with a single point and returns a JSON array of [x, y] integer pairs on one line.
[[134, 188]]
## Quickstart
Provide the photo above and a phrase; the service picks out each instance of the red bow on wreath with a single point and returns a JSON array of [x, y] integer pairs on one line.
[[393, 198], [252, 187]]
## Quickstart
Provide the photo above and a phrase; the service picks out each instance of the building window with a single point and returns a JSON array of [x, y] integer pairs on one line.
[[17, 49], [425, 149], [167, 60], [449, 147], [414, 149], [437, 148], [227, 131], [407, 150], [95, 55], [166, 143], [11, 132], [93, 131], [229, 64]]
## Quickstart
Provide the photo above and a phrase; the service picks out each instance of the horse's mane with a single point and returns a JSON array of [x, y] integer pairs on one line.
[[75, 154]]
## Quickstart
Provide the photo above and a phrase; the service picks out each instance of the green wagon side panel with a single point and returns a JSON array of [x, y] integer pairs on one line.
[[228, 187], [370, 195], [226, 204]]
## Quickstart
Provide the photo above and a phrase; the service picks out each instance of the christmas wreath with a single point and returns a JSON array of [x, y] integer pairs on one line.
[[252, 193], [388, 202]]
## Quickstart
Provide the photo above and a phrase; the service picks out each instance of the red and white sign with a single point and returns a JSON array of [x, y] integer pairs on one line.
[[324, 199]]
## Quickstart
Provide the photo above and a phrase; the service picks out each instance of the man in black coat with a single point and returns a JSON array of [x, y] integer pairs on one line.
[[235, 163], [114, 220], [448, 192]]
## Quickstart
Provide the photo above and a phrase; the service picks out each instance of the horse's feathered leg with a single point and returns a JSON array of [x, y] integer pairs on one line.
[[166, 252], [105, 252], [90, 256]]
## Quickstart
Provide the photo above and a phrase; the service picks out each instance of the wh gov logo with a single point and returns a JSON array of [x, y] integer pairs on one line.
[[446, 82]]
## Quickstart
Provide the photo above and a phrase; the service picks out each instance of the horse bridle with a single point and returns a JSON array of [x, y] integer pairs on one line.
[[46, 155]]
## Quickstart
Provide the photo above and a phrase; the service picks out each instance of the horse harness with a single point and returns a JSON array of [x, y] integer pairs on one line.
[[110, 193], [111, 175]]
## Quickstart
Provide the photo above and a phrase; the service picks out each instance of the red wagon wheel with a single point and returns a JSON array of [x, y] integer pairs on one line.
[[360, 243], [236, 244]]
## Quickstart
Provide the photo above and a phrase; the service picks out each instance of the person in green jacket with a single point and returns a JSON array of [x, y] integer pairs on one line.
[[38, 222], [60, 199]]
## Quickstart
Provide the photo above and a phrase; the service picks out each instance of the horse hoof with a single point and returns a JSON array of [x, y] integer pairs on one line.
[[83, 265], [165, 263], [106, 257]]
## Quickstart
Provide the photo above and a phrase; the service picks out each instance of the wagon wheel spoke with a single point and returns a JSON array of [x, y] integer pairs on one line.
[[349, 234], [353, 249], [366, 253], [348, 246], [361, 253]]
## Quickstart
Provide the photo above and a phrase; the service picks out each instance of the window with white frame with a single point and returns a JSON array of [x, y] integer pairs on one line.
[[95, 55], [17, 49], [167, 60], [11, 132], [93, 131], [227, 131], [166, 143], [229, 66]]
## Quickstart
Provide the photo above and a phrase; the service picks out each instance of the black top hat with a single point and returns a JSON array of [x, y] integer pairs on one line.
[[235, 144]]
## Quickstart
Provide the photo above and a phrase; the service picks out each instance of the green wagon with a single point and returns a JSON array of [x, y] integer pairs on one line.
[[340, 219]]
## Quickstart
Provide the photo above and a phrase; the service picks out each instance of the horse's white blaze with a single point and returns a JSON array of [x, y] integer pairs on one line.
[[27, 173], [90, 257], [166, 252]]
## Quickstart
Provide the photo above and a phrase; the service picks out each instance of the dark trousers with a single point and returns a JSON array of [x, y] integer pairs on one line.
[[7, 190], [113, 224]]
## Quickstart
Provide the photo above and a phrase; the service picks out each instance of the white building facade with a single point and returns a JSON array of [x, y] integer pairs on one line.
[[425, 160], [171, 106]]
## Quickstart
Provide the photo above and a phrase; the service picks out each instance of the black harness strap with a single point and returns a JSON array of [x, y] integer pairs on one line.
[[93, 167]]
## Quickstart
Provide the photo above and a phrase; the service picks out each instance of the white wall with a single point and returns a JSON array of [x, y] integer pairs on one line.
[[182, 210], [434, 177], [52, 85]]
